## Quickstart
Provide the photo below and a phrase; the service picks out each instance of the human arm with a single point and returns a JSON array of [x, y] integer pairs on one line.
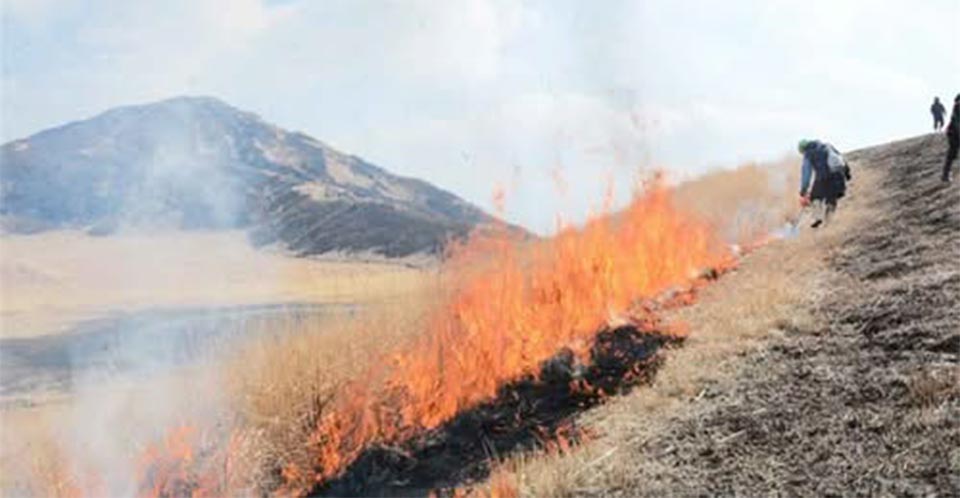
[[806, 172]]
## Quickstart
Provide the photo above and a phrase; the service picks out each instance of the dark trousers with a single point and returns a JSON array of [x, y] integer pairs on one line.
[[829, 206], [951, 156], [937, 122]]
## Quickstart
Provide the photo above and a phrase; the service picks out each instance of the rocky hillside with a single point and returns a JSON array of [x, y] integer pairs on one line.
[[198, 163]]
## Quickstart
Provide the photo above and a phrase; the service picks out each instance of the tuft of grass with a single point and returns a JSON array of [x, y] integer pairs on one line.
[[930, 387]]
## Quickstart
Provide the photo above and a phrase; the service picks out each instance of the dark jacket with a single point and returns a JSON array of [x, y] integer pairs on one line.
[[937, 109], [953, 128], [827, 185]]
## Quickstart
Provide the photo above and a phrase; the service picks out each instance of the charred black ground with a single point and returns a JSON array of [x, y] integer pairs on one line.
[[525, 414]]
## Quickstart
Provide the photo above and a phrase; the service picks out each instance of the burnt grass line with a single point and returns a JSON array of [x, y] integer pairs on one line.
[[526, 414]]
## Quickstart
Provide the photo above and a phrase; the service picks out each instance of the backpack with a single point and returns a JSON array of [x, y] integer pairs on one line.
[[835, 161]]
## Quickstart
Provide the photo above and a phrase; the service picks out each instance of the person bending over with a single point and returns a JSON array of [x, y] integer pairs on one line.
[[829, 171]]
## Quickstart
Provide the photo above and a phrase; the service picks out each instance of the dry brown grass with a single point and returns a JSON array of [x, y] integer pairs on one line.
[[765, 297], [745, 202], [51, 280], [43, 460], [929, 387], [71, 444], [266, 394], [278, 385]]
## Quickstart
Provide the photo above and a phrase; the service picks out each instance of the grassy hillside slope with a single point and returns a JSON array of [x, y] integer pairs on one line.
[[828, 364]]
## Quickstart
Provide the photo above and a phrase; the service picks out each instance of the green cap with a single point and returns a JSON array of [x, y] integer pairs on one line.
[[802, 145]]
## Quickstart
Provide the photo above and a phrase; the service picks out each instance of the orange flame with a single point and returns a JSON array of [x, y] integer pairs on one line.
[[511, 310], [183, 464]]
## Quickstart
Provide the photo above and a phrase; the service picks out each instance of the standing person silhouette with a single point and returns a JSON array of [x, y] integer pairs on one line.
[[953, 139], [937, 110]]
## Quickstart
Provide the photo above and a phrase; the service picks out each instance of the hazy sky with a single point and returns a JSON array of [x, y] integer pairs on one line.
[[550, 99]]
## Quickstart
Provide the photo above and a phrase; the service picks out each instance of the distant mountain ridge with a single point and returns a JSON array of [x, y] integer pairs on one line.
[[197, 162]]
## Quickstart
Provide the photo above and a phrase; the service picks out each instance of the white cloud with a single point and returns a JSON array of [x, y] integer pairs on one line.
[[471, 93], [30, 12]]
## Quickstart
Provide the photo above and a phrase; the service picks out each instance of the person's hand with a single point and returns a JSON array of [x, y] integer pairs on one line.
[[804, 201]]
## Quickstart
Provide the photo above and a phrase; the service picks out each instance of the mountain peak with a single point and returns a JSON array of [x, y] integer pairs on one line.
[[195, 103], [194, 100], [185, 106], [197, 162]]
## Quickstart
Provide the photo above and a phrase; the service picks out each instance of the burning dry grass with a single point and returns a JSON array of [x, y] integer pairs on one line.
[[280, 385], [768, 295], [308, 403], [509, 312], [52, 472], [228, 420], [89, 443], [42, 439]]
